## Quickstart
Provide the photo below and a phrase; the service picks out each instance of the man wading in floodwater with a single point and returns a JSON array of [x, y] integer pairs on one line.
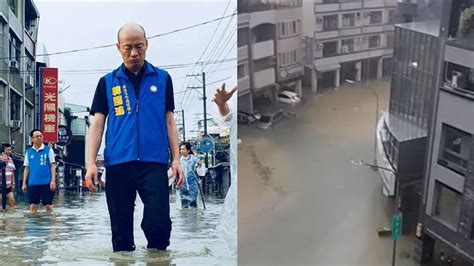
[[137, 99]]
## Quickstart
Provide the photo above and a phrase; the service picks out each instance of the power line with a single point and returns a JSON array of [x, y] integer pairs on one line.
[[110, 45], [217, 67], [74, 85], [215, 52], [223, 15], [221, 37], [98, 71]]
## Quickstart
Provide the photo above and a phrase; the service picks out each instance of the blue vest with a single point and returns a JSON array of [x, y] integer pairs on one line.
[[136, 128], [39, 166]]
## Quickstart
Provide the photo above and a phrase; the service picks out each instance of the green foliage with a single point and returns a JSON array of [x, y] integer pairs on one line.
[[466, 21]]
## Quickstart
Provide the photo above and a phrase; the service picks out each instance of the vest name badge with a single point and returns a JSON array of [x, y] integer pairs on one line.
[[118, 101]]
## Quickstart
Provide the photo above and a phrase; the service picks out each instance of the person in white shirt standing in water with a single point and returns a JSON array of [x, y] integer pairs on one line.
[[227, 225]]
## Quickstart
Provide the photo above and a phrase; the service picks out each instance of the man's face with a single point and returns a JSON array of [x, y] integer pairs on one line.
[[132, 46], [37, 138], [7, 151]]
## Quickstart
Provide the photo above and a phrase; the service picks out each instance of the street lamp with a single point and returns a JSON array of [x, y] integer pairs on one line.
[[396, 218], [376, 117]]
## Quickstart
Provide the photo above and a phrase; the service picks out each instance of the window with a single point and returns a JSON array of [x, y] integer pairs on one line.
[[288, 58], [447, 205], [374, 41], [262, 64], [330, 22], [14, 48], [390, 39], [30, 67], [472, 230], [347, 46], [329, 48], [348, 20], [288, 28], [28, 121], [454, 149], [2, 104], [242, 37], [13, 6], [15, 106], [240, 71], [391, 16], [375, 17]]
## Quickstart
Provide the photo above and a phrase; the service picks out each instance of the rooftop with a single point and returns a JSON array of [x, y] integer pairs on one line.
[[425, 27]]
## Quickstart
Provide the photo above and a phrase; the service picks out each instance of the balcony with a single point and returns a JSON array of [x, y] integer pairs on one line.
[[459, 56], [373, 29], [263, 49], [326, 34], [243, 52], [323, 7], [264, 78], [351, 5], [349, 32], [374, 3], [244, 85]]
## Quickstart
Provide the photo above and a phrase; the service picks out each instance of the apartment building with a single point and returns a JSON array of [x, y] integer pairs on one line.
[[446, 222], [18, 36], [270, 55], [347, 40]]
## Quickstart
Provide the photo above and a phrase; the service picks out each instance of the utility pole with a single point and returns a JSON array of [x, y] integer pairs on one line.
[[204, 99], [183, 122]]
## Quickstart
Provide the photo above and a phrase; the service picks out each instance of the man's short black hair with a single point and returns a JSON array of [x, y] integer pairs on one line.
[[5, 145], [34, 130]]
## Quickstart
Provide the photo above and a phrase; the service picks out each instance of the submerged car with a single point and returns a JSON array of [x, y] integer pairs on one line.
[[268, 120]]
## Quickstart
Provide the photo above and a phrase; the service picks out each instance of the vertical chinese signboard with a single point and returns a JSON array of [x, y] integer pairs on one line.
[[49, 103]]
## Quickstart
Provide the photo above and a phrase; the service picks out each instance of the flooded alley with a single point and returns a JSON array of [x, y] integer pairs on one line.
[[301, 201], [79, 232]]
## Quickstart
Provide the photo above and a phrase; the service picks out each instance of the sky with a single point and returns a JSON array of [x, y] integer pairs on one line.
[[68, 25]]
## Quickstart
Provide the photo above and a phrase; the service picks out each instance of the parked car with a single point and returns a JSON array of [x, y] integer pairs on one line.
[[288, 97], [247, 118], [268, 120]]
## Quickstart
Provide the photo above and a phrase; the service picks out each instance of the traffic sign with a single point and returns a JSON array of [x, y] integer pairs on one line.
[[396, 226], [206, 144]]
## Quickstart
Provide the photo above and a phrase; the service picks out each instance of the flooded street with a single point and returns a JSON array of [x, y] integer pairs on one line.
[[79, 232], [301, 201]]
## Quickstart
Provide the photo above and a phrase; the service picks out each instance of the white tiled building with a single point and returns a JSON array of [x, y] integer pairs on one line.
[[347, 39], [270, 50]]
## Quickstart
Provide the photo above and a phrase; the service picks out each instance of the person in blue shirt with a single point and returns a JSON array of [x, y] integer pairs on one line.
[[39, 175], [137, 101], [189, 164]]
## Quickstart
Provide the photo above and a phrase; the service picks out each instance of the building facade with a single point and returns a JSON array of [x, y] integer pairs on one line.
[[403, 130], [270, 51], [18, 36], [347, 40], [447, 207]]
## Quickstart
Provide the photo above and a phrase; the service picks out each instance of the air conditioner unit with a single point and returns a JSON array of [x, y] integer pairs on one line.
[[458, 80], [14, 64], [319, 47], [15, 123], [319, 20], [344, 49], [366, 14]]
